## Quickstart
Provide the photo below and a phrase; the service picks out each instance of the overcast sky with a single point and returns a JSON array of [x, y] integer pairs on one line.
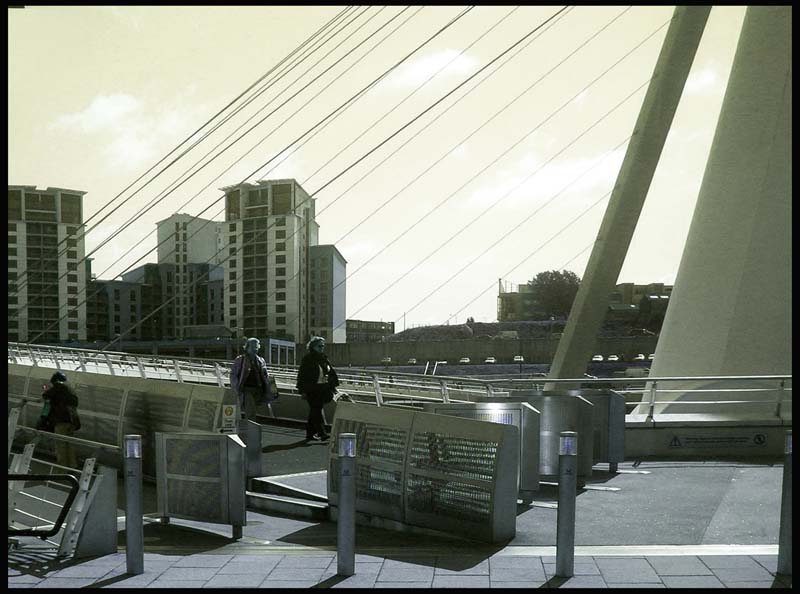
[[99, 94]]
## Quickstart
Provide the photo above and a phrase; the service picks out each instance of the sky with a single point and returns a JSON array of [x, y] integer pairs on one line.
[[509, 180]]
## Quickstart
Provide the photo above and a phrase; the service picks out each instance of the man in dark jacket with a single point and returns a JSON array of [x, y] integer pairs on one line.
[[60, 416], [316, 381]]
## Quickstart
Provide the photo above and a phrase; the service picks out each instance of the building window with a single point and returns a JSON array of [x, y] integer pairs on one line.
[[280, 284], [70, 209], [232, 276], [72, 290], [280, 296], [280, 321], [280, 309], [280, 247], [280, 259], [232, 205], [280, 271], [280, 234]]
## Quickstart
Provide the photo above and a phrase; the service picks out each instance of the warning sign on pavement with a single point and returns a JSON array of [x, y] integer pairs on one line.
[[230, 417]]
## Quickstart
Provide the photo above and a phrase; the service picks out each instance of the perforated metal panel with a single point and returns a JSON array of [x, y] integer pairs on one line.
[[201, 477], [453, 475], [519, 414]]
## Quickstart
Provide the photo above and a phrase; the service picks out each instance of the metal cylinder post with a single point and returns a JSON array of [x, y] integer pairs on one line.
[[785, 531], [134, 527], [565, 522], [346, 523]]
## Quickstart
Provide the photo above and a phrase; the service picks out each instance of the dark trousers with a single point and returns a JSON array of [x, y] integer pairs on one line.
[[316, 423]]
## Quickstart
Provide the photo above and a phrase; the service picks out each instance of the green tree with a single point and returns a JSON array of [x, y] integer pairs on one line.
[[554, 291]]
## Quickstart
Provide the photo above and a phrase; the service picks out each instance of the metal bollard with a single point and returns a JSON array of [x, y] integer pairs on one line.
[[785, 532], [565, 522], [346, 523], [134, 528]]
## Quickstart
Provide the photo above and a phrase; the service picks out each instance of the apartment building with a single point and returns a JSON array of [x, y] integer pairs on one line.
[[270, 226], [327, 294], [46, 287]]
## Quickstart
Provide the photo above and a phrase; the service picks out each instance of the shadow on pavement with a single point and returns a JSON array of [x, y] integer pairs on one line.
[[157, 535], [451, 553], [286, 446], [554, 582], [330, 582]]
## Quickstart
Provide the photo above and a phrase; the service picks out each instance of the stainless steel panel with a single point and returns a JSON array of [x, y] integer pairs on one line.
[[609, 424], [520, 414], [457, 475]]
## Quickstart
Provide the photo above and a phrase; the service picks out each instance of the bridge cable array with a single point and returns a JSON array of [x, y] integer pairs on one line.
[[188, 138], [353, 98]]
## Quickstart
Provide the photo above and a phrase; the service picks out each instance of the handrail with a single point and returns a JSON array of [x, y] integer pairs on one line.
[[70, 439], [73, 492]]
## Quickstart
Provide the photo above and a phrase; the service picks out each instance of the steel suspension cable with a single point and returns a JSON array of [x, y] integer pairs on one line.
[[193, 134], [355, 97]]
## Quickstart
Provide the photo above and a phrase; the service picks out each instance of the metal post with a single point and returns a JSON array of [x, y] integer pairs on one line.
[[110, 366], [785, 531], [177, 371], [653, 389], [376, 384], [81, 362], [781, 389], [346, 522], [134, 527], [141, 367], [445, 394], [218, 372], [565, 522]]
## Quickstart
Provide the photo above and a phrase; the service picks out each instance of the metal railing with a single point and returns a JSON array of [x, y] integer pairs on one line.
[[45, 533], [388, 387], [648, 389]]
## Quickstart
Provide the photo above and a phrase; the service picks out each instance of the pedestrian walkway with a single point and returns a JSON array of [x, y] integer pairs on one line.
[[305, 567]]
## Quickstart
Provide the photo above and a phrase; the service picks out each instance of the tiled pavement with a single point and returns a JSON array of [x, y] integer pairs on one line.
[[306, 569]]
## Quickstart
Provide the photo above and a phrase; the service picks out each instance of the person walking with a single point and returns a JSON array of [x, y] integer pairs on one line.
[[250, 379], [60, 416], [316, 381]]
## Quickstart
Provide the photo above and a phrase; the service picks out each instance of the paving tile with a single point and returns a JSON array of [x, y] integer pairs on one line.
[[189, 573], [768, 562], [255, 566], [360, 569], [460, 581], [272, 584], [579, 568], [406, 574], [503, 561], [56, 582], [296, 574], [517, 584], [626, 570], [729, 575], [255, 558], [471, 566], [177, 584], [133, 581], [691, 581], [761, 584], [305, 561], [203, 561], [402, 585], [678, 565], [728, 561], [518, 574], [638, 585], [235, 581], [584, 581], [84, 571], [409, 562], [18, 585], [24, 578], [356, 581]]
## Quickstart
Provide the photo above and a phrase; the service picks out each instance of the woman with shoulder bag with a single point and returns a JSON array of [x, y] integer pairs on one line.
[[316, 381]]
